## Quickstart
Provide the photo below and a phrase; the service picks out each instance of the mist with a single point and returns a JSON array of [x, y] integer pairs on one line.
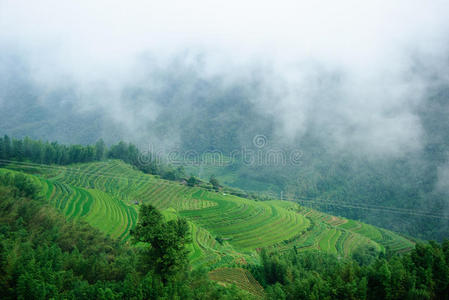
[[349, 69]]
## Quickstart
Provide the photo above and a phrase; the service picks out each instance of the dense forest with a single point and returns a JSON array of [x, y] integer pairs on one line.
[[421, 274]]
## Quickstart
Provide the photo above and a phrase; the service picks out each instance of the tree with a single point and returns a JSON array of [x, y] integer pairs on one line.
[[100, 149], [133, 155], [166, 254], [192, 181], [364, 254], [27, 147], [37, 149], [276, 292], [214, 182], [180, 173], [6, 147], [18, 150], [2, 149], [49, 154], [119, 151], [169, 175], [25, 186]]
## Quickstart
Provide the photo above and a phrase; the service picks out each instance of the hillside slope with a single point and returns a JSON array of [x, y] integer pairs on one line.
[[226, 230]]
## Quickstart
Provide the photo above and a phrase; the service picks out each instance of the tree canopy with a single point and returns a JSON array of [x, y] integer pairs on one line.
[[166, 252]]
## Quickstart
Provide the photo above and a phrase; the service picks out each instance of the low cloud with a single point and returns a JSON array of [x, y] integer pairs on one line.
[[346, 71]]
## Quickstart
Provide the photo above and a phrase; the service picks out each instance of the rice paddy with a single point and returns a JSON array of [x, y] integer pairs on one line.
[[226, 230], [240, 277]]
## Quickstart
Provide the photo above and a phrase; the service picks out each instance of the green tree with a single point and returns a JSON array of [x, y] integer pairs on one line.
[[18, 150], [166, 253], [6, 147], [25, 186], [49, 154], [2, 149], [100, 149], [365, 254], [214, 182], [119, 151], [192, 181], [276, 292], [180, 172]]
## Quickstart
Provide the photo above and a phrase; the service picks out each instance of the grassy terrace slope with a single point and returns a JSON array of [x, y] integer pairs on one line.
[[96, 207], [106, 195], [243, 223], [240, 277], [342, 236]]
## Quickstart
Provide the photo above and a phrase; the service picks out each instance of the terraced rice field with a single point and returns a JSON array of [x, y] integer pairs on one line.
[[240, 277], [96, 207], [378, 237], [340, 236], [104, 194], [247, 224], [107, 196], [384, 237], [129, 185]]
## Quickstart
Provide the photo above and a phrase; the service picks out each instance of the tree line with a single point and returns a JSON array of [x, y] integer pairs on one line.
[[37, 151], [40, 152], [422, 273]]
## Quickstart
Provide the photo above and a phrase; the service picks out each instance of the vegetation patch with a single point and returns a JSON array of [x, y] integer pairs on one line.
[[240, 277]]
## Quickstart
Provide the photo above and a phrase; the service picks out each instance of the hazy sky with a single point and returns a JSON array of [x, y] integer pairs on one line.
[[356, 34], [370, 46]]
